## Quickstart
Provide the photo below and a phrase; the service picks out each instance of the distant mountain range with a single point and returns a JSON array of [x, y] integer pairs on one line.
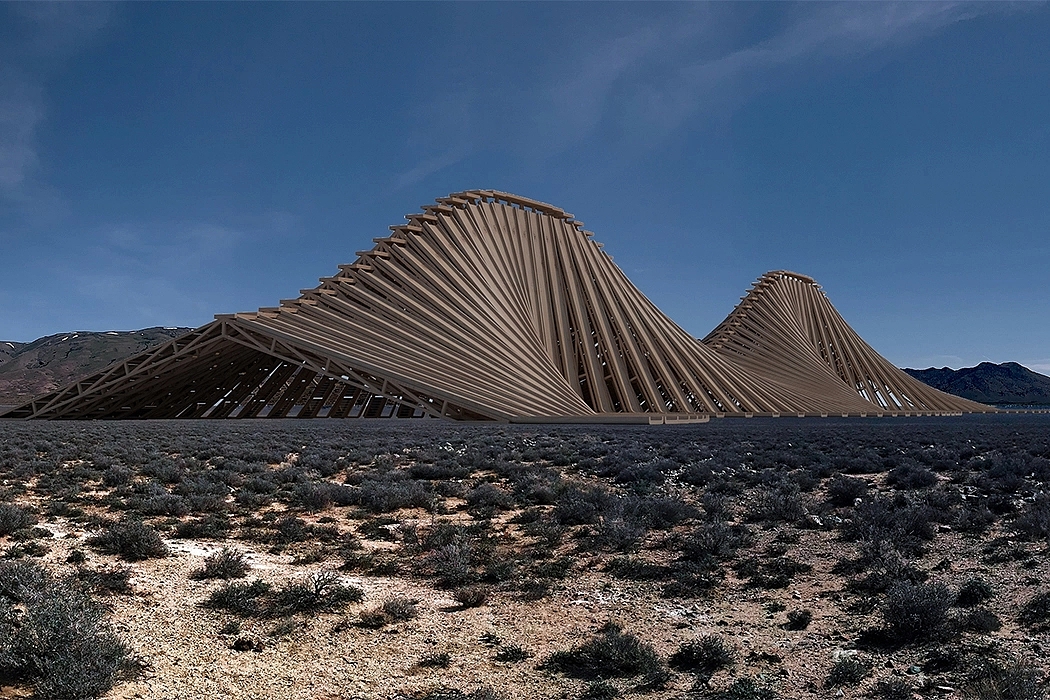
[[1008, 383], [46, 364]]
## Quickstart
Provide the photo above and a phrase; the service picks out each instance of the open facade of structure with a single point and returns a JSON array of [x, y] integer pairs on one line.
[[490, 306]]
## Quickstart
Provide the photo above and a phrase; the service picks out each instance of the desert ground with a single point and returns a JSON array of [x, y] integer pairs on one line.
[[777, 558]]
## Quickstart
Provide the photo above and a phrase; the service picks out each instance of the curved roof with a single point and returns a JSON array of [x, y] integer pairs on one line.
[[487, 305]]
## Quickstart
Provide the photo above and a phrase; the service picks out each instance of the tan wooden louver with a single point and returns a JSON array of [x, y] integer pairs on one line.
[[490, 306]]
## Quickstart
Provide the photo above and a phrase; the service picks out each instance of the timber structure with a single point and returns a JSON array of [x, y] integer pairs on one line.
[[490, 306]]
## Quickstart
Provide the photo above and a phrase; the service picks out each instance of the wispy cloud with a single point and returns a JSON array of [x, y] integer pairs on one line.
[[630, 84], [427, 167], [821, 34], [645, 84], [153, 248], [20, 112], [143, 270], [53, 32]]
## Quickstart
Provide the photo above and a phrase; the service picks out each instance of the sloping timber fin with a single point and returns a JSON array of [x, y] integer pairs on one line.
[[786, 329]]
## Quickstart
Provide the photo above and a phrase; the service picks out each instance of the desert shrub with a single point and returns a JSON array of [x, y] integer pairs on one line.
[[611, 653], [291, 529], [164, 471], [798, 619], [499, 569], [251, 500], [389, 493], [61, 641], [452, 564], [14, 518], [259, 485], [444, 534], [616, 534], [774, 573], [848, 671], [885, 566], [312, 497], [441, 470], [533, 589], [19, 581], [715, 540], [705, 655], [163, 504], [210, 527], [973, 592], [130, 539], [943, 504], [898, 521], [512, 653], [916, 612], [117, 476], [982, 620], [32, 533], [340, 496], [282, 628], [911, 476], [318, 592], [582, 506], [547, 531], [844, 490], [390, 611], [745, 689], [781, 504], [446, 693], [717, 506], [975, 519], [600, 690], [246, 599], [658, 512], [635, 569], [28, 549], [379, 529], [227, 563], [692, 579], [486, 497], [945, 659], [1033, 522], [1036, 611], [110, 579], [893, 689], [471, 596], [435, 660], [993, 681]]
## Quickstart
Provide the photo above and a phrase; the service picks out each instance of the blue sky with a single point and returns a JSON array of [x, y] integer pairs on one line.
[[160, 163]]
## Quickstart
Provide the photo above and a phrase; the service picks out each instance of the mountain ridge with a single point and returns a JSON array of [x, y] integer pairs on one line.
[[45, 364], [989, 383]]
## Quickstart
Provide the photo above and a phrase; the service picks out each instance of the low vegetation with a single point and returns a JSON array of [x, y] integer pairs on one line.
[[894, 545], [55, 637]]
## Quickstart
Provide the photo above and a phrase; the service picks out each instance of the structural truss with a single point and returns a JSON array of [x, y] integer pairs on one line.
[[490, 306]]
